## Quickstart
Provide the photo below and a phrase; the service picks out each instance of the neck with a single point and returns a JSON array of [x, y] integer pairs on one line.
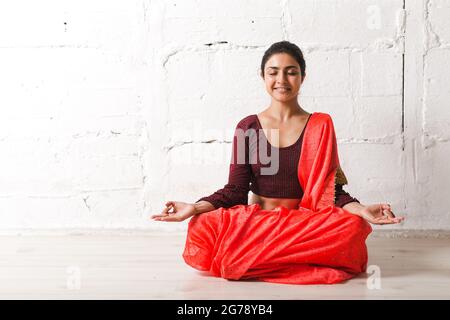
[[283, 111]]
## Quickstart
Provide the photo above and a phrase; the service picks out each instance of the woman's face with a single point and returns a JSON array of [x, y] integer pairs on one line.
[[282, 77]]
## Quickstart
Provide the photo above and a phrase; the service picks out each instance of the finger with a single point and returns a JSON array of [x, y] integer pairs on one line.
[[162, 214], [172, 206], [169, 219], [393, 218], [382, 220], [388, 220], [159, 216], [385, 220], [389, 213], [386, 206], [166, 210]]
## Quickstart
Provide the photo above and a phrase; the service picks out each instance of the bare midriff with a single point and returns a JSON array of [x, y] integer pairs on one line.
[[271, 203]]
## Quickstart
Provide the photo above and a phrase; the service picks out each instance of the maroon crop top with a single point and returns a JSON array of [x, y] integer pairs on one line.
[[246, 175]]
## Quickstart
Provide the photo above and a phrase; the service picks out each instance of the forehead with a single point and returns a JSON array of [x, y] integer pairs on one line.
[[281, 61]]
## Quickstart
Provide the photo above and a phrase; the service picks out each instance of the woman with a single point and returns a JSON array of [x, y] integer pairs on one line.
[[301, 227]]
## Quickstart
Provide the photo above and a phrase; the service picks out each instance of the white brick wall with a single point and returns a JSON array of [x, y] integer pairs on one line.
[[111, 108]]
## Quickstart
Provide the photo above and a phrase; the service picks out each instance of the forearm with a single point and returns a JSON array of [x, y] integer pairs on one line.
[[203, 206], [353, 207]]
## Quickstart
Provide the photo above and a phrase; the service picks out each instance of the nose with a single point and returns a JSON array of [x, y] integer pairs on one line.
[[281, 77]]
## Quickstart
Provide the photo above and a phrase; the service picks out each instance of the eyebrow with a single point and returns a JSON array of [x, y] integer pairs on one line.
[[288, 67]]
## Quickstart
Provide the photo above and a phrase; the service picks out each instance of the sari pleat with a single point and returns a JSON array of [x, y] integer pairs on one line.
[[317, 243]]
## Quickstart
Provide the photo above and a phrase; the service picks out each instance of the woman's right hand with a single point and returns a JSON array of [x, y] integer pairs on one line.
[[181, 211]]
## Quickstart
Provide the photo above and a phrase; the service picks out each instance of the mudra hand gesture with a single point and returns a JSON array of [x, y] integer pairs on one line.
[[181, 211], [379, 213]]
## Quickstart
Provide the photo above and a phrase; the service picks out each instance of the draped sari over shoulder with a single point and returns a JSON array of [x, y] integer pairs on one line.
[[316, 243]]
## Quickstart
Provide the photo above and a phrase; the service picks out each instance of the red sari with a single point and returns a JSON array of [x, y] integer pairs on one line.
[[317, 243]]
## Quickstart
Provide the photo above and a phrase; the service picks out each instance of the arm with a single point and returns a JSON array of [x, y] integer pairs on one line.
[[379, 213], [343, 198], [203, 206], [236, 190], [354, 207], [345, 201]]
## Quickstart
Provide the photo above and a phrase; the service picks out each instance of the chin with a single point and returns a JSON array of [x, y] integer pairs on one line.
[[282, 99]]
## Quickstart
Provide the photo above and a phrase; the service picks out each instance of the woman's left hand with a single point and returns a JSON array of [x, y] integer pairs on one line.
[[379, 213]]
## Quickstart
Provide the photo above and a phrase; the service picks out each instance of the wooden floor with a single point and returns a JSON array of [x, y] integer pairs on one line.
[[151, 267]]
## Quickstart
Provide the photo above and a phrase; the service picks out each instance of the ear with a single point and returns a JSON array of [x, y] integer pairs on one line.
[[303, 78]]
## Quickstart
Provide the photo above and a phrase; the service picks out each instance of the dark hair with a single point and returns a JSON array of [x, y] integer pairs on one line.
[[284, 47]]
